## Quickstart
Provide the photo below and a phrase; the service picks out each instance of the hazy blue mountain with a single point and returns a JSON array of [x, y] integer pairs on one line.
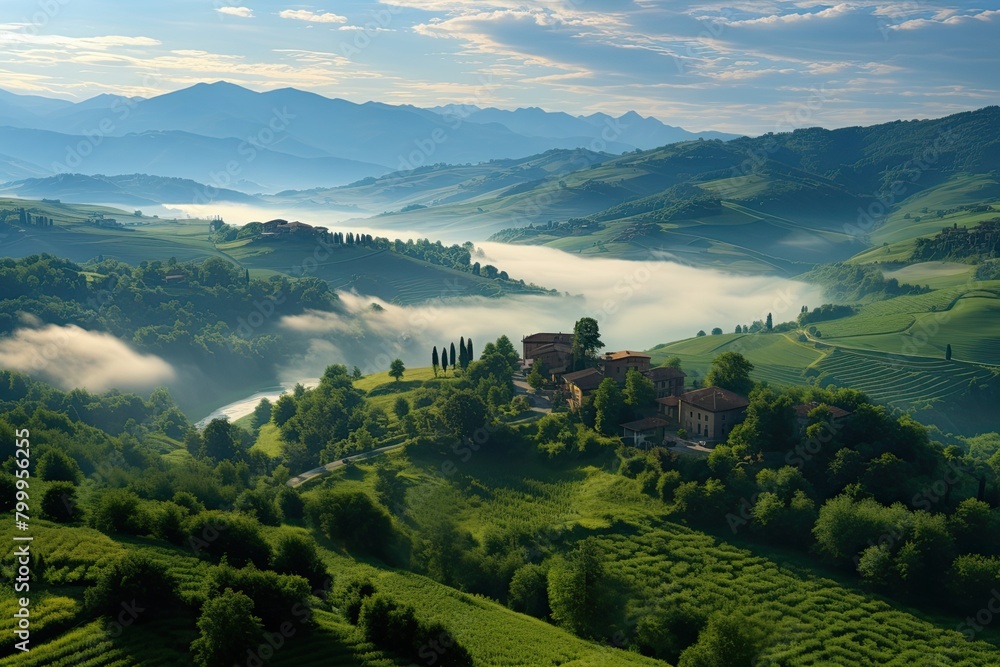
[[131, 190], [218, 162], [311, 126], [630, 130]]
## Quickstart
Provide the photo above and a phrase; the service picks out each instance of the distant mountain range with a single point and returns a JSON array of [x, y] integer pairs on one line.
[[230, 137]]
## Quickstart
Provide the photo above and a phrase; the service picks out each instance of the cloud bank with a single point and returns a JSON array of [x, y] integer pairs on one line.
[[70, 357]]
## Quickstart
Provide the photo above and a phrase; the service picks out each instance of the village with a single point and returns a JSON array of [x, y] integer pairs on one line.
[[687, 418]]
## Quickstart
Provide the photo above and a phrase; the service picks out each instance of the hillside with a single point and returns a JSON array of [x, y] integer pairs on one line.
[[372, 270], [545, 543], [893, 350], [780, 202], [130, 190]]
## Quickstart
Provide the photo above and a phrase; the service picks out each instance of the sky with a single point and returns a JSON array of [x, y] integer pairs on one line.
[[748, 67]]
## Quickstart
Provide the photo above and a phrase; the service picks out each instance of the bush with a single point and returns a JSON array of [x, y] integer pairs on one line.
[[228, 629], [56, 466], [352, 518], [260, 504], [217, 534], [59, 503], [352, 597], [276, 597], [396, 628], [296, 554], [290, 504], [136, 582], [117, 512], [528, 593], [168, 523]]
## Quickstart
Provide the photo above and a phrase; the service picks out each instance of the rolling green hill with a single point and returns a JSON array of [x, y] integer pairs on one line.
[[892, 350], [376, 272], [778, 203]]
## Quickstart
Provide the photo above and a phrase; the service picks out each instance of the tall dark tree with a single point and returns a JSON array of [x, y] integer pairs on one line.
[[444, 360], [586, 341], [769, 325], [463, 359], [453, 357], [434, 360], [947, 352], [469, 354]]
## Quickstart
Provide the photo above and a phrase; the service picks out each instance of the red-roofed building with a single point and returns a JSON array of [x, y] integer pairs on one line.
[[710, 413]]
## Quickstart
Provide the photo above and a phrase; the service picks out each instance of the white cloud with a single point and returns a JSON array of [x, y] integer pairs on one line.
[[71, 357], [242, 12], [313, 17]]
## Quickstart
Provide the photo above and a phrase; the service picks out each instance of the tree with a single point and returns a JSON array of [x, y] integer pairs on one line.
[[220, 441], [730, 639], [444, 360], [401, 407], [469, 354], [463, 354], [574, 588], [739, 329], [947, 352], [396, 369], [639, 391], [59, 502], [717, 331], [536, 378], [434, 360], [262, 413], [136, 580], [56, 466], [283, 410], [463, 412], [228, 628], [769, 324], [700, 333], [730, 370], [296, 554], [586, 342], [451, 356], [608, 403]]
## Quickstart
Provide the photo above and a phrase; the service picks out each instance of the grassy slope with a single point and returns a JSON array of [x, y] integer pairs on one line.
[[815, 618]]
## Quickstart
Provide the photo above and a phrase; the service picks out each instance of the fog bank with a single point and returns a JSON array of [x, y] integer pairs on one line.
[[70, 357]]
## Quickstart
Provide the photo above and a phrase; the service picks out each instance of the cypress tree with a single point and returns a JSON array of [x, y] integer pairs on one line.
[[444, 360], [453, 359], [463, 358], [469, 354], [434, 360]]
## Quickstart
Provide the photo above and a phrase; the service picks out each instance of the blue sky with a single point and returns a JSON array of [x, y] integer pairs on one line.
[[737, 66]]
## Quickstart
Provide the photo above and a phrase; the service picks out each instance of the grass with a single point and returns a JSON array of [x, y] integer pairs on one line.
[[269, 440], [813, 618]]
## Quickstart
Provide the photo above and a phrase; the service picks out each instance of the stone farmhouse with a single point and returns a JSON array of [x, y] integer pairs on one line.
[[708, 413]]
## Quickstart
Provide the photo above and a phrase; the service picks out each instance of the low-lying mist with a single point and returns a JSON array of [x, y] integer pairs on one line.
[[70, 357], [638, 305]]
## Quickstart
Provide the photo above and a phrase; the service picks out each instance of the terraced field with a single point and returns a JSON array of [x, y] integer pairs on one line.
[[895, 380]]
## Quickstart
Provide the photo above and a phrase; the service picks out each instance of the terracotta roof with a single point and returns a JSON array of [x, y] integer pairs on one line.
[[715, 399], [548, 338], [647, 424], [668, 400], [587, 379], [802, 410], [625, 354], [664, 373]]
